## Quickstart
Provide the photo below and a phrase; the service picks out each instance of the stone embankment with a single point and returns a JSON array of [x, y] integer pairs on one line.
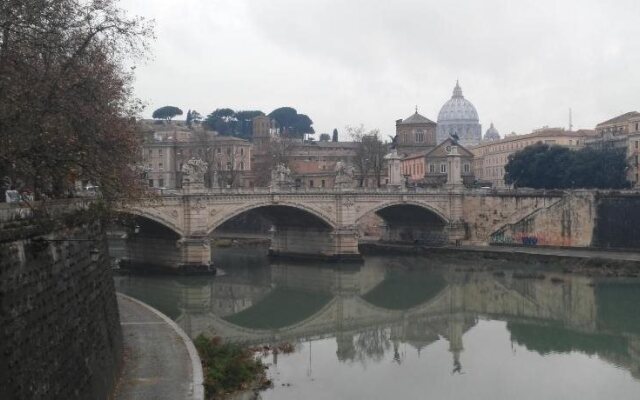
[[60, 335]]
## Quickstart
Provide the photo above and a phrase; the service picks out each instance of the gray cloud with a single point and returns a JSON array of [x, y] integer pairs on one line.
[[522, 63]]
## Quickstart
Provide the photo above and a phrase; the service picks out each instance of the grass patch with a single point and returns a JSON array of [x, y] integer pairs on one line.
[[228, 367]]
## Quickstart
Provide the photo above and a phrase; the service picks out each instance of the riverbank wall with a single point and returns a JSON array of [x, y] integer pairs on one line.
[[60, 333], [579, 219]]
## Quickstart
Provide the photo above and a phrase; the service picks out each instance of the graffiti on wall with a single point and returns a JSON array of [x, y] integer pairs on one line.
[[529, 239]]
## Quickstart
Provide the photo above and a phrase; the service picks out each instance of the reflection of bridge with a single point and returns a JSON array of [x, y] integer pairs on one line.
[[324, 222], [305, 303]]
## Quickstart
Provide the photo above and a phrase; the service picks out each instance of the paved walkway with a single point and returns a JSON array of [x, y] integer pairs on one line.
[[578, 253], [160, 361]]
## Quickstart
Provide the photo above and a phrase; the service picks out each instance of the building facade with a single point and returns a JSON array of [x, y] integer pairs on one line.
[[414, 134], [448, 162], [166, 148], [621, 132], [490, 157]]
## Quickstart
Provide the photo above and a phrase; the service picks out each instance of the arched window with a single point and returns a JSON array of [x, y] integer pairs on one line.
[[419, 136], [443, 168]]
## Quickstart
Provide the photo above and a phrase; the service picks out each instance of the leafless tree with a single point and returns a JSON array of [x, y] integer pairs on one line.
[[277, 151], [369, 156]]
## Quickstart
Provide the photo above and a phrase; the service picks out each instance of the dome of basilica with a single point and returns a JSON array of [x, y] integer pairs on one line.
[[459, 117], [458, 108], [492, 134]]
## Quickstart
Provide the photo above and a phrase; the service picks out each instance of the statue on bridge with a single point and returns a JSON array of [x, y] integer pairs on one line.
[[193, 172], [344, 176], [281, 177]]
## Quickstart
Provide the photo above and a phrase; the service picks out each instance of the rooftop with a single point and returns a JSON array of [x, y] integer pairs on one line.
[[416, 118], [620, 118]]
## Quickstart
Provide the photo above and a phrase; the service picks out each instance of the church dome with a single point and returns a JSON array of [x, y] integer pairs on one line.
[[492, 134], [459, 118], [458, 108]]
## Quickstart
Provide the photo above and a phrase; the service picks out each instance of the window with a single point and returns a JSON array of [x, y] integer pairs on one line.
[[228, 151], [311, 183], [160, 167], [443, 168], [150, 182], [159, 152], [419, 136], [241, 151], [160, 182], [241, 166], [219, 166], [467, 168], [219, 150], [432, 168], [636, 144], [229, 167], [322, 183]]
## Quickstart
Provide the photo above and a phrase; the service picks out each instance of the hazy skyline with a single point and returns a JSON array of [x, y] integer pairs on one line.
[[522, 64]]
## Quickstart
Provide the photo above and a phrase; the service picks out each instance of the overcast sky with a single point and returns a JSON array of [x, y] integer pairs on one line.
[[522, 63]]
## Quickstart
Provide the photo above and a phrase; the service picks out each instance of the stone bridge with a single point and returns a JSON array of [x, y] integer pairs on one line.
[[324, 223]]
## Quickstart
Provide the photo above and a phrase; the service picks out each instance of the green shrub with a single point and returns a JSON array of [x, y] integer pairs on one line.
[[227, 367]]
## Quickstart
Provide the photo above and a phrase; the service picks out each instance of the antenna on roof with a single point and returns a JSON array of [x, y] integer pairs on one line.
[[570, 120], [416, 108]]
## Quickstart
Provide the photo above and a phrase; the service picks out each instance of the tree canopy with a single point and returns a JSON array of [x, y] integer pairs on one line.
[[541, 166], [67, 112], [166, 113], [291, 123], [228, 122], [325, 137], [334, 136]]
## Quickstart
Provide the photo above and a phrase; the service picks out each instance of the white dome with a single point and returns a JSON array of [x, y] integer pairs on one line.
[[459, 118], [458, 108], [492, 134]]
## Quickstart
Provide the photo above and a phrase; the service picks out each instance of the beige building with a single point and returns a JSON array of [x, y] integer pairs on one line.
[[435, 167], [415, 134], [621, 132], [620, 125], [490, 157], [167, 147]]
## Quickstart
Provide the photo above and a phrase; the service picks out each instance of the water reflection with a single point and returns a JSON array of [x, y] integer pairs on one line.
[[390, 311]]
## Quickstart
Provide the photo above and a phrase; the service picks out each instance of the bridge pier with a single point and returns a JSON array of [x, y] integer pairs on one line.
[[306, 242], [195, 254]]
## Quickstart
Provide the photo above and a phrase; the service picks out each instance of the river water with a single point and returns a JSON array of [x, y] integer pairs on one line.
[[416, 327]]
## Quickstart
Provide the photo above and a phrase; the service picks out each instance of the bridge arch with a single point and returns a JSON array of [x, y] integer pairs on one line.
[[160, 220], [394, 203], [408, 222], [318, 218]]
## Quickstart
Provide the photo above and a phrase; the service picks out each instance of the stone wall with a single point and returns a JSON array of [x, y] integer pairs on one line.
[[60, 335], [618, 221], [492, 217], [568, 222]]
